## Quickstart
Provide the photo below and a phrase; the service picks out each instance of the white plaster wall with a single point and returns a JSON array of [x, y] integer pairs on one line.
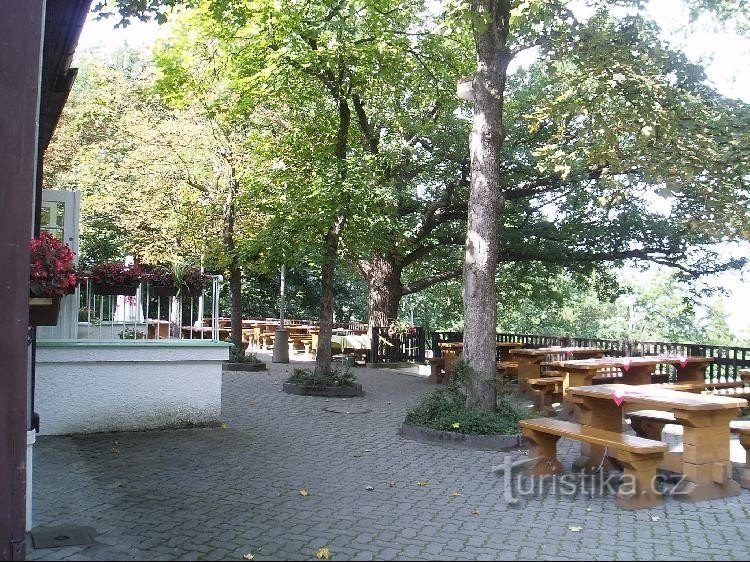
[[89, 386]]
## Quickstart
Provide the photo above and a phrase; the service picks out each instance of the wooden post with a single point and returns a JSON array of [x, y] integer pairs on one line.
[[21, 24]]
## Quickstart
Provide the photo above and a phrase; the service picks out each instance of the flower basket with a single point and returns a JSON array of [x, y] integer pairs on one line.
[[52, 271], [116, 278], [163, 281], [194, 282], [193, 291], [164, 290], [105, 289], [44, 311]]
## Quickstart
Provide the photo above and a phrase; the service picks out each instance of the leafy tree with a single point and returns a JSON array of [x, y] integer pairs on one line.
[[617, 106]]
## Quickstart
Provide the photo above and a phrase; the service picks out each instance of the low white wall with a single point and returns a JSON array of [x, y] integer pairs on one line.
[[88, 386]]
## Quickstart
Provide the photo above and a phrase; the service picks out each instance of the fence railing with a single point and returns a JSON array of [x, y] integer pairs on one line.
[[397, 347], [146, 316], [727, 359]]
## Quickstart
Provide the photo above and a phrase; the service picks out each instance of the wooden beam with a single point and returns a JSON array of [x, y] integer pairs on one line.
[[21, 25]]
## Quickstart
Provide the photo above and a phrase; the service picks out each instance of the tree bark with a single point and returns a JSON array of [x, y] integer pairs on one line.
[[235, 270], [235, 298], [384, 290], [480, 261], [323, 357]]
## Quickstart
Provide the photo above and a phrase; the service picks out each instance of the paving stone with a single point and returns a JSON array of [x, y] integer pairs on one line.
[[207, 494]]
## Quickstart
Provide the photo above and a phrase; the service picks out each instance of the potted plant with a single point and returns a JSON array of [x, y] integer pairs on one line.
[[194, 281], [163, 281], [116, 278], [52, 276]]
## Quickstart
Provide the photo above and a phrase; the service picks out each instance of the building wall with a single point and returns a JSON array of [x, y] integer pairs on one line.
[[86, 386]]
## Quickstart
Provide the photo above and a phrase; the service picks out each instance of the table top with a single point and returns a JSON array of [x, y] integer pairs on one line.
[[627, 362], [351, 341], [659, 397], [460, 344], [548, 350]]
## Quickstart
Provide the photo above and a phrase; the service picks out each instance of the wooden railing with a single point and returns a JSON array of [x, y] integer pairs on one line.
[[727, 359], [398, 348]]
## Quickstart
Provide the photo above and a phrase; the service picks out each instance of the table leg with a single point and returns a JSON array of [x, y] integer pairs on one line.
[[691, 373], [706, 462], [597, 413], [528, 368], [637, 374]]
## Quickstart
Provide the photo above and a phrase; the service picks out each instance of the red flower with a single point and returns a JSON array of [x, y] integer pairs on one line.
[[52, 269]]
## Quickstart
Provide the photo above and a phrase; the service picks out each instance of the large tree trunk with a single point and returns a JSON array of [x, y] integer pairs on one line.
[[323, 357], [235, 298], [384, 290], [235, 271], [480, 303]]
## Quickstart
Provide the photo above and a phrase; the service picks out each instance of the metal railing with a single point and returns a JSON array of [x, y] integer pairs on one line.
[[146, 316], [397, 347], [727, 359]]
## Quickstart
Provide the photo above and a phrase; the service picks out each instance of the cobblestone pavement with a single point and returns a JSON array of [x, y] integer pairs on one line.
[[223, 493]]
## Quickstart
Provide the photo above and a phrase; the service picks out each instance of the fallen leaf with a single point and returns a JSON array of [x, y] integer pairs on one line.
[[455, 425], [369, 488], [653, 518], [455, 494], [224, 425], [323, 553], [422, 482], [304, 492], [248, 556], [574, 529]]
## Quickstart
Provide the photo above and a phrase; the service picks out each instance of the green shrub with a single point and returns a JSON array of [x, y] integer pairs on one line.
[[445, 410], [334, 378]]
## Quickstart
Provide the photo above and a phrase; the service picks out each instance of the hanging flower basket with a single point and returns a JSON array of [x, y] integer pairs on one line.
[[44, 311], [194, 282], [116, 278], [164, 290], [102, 289]]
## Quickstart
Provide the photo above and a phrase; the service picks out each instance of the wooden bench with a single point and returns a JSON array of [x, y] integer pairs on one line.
[[546, 390], [437, 373], [742, 428], [650, 424], [639, 457]]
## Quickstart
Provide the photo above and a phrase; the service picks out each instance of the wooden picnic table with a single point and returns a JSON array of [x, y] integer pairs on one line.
[[451, 350], [635, 370], [705, 460], [530, 360]]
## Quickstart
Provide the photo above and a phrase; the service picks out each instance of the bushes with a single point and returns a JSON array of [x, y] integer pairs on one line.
[[334, 378], [445, 410]]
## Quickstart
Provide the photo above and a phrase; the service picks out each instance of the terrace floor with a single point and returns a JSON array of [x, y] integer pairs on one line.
[[224, 493]]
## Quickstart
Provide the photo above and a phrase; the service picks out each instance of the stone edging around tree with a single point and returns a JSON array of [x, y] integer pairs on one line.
[[494, 442], [326, 391], [244, 367]]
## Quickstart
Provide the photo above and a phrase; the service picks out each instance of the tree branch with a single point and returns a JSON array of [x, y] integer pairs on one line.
[[416, 286]]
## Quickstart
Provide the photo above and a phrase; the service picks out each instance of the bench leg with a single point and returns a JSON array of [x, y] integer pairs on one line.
[[543, 402], [745, 477], [435, 373], [544, 449], [638, 490], [648, 429]]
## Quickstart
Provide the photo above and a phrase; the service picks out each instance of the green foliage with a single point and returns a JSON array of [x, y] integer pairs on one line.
[[131, 334], [445, 409], [442, 409], [336, 377]]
